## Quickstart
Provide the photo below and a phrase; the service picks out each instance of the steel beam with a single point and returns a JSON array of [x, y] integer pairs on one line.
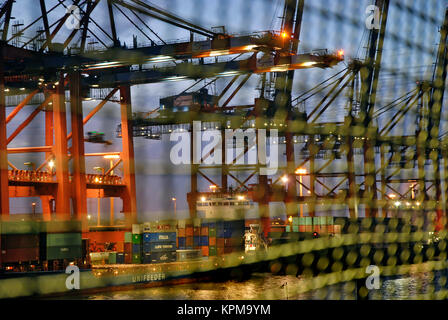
[[61, 152], [79, 191], [129, 195], [4, 198]]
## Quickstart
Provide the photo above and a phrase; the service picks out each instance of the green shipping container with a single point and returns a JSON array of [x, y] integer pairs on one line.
[[212, 251], [64, 252], [212, 232], [128, 237], [316, 221], [136, 258], [112, 257], [295, 228], [288, 228], [136, 239], [302, 221], [22, 227], [330, 220], [64, 239], [295, 221], [308, 221]]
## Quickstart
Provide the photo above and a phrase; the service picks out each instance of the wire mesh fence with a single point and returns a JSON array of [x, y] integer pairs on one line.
[[326, 134]]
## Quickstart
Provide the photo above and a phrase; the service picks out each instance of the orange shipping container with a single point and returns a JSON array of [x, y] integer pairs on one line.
[[212, 241], [330, 228], [220, 251], [189, 231], [337, 229], [308, 228], [302, 228], [197, 231], [189, 241], [316, 229], [220, 242], [120, 246], [204, 250], [204, 231], [181, 232]]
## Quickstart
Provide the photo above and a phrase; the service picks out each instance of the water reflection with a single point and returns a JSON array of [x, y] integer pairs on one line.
[[268, 286]]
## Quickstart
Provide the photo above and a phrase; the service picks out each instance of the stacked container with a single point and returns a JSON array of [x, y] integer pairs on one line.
[[159, 242], [185, 234], [19, 242], [60, 240], [127, 248], [137, 248]]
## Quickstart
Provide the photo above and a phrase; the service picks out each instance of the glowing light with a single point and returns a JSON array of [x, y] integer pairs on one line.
[[341, 53], [308, 64], [51, 164], [111, 156], [290, 219], [301, 171], [284, 35], [285, 179], [392, 196], [397, 203], [240, 197], [202, 199], [212, 187]]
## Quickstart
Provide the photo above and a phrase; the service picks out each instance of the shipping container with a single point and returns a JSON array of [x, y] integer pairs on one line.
[[127, 248], [181, 242], [136, 238], [163, 246], [204, 241], [295, 228], [220, 242], [64, 239], [22, 227], [212, 251], [189, 242], [162, 257], [112, 258], [15, 255], [288, 228], [147, 258], [136, 258], [181, 232], [137, 228], [295, 221], [137, 248], [63, 252], [120, 257], [204, 231], [146, 246], [196, 241], [308, 221], [19, 241], [162, 237], [189, 231], [128, 237], [186, 255], [204, 251]]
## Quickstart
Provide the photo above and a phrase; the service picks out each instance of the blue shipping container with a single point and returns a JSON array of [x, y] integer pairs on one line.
[[146, 258], [159, 237], [163, 246], [204, 241], [136, 248], [196, 241], [120, 257], [182, 242], [146, 247]]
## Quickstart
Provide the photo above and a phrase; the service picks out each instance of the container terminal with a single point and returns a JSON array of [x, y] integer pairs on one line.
[[310, 180]]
